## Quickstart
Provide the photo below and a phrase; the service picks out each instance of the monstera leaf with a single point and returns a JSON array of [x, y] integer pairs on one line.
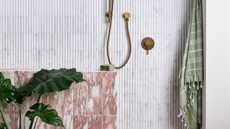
[[46, 81], [7, 91], [46, 113]]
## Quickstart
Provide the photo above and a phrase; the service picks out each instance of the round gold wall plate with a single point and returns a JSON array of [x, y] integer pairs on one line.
[[147, 43]]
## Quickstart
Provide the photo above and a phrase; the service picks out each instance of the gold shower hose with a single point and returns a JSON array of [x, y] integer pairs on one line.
[[126, 17]]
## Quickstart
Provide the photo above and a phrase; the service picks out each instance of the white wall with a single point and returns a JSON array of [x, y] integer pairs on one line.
[[218, 65], [70, 33]]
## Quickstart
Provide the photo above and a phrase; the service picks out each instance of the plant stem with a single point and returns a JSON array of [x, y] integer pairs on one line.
[[35, 122], [20, 117], [39, 98], [31, 124], [4, 119], [32, 121]]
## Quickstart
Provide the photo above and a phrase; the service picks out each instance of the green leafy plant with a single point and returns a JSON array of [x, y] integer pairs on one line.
[[44, 81], [6, 91], [7, 94], [2, 126], [45, 113]]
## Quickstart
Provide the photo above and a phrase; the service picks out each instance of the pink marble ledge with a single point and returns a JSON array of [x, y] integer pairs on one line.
[[87, 105]]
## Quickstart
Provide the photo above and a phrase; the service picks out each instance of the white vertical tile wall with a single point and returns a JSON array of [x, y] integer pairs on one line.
[[70, 33]]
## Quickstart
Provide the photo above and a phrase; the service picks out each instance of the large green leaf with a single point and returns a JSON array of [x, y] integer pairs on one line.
[[46, 113], [3, 126], [7, 91], [46, 81]]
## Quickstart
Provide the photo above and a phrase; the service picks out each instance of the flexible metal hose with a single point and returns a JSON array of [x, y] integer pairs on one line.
[[109, 15]]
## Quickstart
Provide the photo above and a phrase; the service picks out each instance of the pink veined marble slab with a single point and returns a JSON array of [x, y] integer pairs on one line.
[[87, 105]]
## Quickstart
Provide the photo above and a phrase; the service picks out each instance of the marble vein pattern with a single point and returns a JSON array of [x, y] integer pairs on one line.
[[88, 105]]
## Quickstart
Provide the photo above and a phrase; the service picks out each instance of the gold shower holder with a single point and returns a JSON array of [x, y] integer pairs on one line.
[[109, 15], [126, 16]]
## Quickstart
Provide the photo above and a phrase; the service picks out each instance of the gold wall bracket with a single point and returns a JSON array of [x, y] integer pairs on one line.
[[126, 16], [147, 44], [109, 15]]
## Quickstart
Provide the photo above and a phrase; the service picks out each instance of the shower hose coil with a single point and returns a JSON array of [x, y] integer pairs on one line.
[[126, 17]]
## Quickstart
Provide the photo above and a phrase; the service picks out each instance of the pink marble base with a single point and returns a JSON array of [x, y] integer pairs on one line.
[[87, 105]]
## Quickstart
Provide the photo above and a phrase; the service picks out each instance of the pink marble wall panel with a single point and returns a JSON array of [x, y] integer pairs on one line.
[[80, 122], [88, 105], [109, 122], [95, 122], [80, 98]]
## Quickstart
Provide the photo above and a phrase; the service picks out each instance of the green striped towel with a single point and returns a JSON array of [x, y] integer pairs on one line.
[[191, 75]]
